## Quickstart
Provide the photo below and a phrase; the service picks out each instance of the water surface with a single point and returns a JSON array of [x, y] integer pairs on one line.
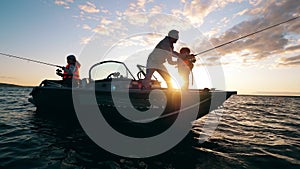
[[252, 132]]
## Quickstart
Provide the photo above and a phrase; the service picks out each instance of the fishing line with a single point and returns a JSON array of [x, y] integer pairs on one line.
[[247, 35], [30, 60]]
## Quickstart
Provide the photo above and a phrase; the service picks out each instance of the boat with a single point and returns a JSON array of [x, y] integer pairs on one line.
[[113, 89]]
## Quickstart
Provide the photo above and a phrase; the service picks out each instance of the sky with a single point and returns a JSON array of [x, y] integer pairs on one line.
[[267, 63]]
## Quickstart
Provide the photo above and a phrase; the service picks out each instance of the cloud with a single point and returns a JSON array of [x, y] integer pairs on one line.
[[196, 10], [138, 19], [267, 43], [86, 27], [289, 61], [215, 30], [135, 13], [212, 32], [102, 29], [294, 27], [143, 40], [255, 2], [114, 29], [136, 7], [156, 9], [89, 8], [165, 23], [141, 3], [212, 61], [293, 48], [106, 21], [241, 13], [143, 22], [85, 40], [65, 3], [289, 64], [135, 16], [260, 46]]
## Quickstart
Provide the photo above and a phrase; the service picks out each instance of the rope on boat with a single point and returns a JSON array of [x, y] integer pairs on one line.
[[30, 60], [242, 37]]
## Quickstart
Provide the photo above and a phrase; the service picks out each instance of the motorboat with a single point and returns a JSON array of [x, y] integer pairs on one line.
[[112, 89]]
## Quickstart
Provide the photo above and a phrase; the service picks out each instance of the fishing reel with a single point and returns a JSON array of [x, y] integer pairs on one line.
[[58, 71], [193, 60]]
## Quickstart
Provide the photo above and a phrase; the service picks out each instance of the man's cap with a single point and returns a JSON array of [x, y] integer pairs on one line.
[[173, 34]]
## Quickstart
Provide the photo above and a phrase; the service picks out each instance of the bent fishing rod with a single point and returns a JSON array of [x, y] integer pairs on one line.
[[242, 37], [30, 60]]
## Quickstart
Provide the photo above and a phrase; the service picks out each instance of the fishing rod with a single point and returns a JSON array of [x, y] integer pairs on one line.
[[247, 35], [31, 60]]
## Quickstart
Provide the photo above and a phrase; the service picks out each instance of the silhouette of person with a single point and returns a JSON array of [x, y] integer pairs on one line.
[[185, 64], [71, 72], [163, 51]]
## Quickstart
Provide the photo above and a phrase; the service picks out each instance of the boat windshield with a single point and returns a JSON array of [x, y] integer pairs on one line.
[[109, 69]]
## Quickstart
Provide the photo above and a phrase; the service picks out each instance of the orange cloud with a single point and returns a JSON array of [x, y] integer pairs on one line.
[[89, 8]]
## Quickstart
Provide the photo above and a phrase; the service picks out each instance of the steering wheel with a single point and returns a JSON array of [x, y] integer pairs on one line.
[[140, 74], [114, 74]]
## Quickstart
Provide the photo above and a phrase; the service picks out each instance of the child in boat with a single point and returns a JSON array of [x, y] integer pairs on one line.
[[70, 75], [71, 72], [185, 64]]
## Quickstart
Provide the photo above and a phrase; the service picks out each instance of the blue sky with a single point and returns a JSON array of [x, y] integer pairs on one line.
[[49, 30]]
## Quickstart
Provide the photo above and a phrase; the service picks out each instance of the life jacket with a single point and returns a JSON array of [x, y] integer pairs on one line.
[[75, 73], [189, 61]]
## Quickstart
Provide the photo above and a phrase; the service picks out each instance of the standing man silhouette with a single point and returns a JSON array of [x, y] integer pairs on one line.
[[163, 51]]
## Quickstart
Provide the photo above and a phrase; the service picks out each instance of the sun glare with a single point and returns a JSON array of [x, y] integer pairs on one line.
[[177, 82]]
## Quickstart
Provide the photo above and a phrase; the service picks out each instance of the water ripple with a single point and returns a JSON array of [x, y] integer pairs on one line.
[[252, 132], [258, 127]]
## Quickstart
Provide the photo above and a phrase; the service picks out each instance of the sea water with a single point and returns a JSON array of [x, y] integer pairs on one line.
[[246, 132]]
